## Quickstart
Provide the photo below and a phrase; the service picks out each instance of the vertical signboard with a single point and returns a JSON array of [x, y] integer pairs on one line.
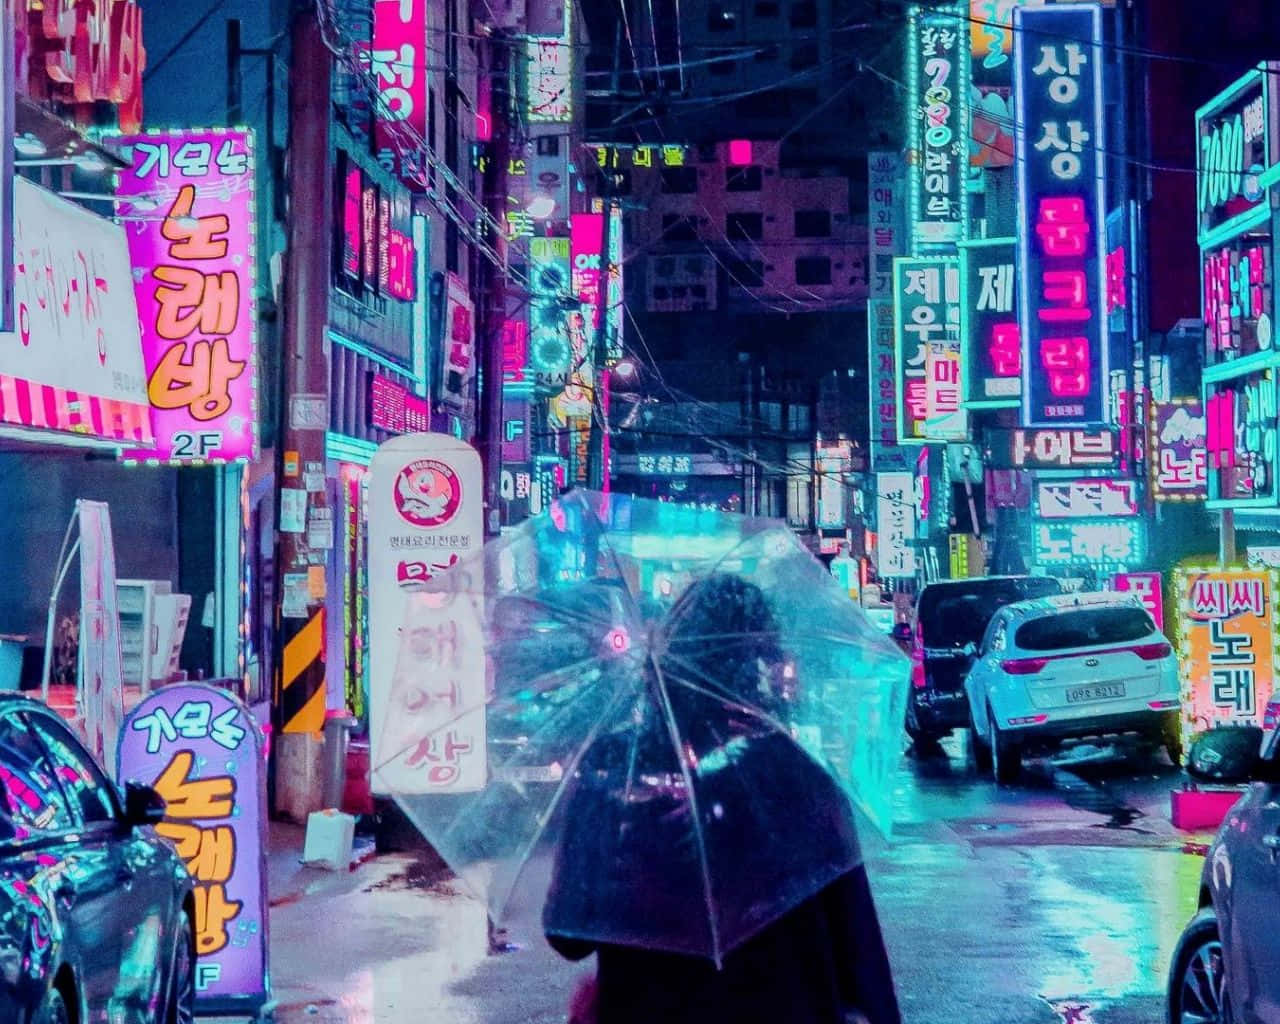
[[926, 309], [458, 348], [938, 122], [426, 644], [1227, 646], [187, 203], [992, 347], [1177, 450], [550, 349], [886, 232], [1147, 587], [1243, 451], [586, 240], [1233, 149], [101, 665], [896, 525], [991, 100], [1061, 177], [8, 99], [550, 65], [398, 61], [885, 453], [200, 749]]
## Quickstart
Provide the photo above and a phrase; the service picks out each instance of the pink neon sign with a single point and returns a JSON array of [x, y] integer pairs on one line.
[[1147, 587], [194, 261], [398, 61]]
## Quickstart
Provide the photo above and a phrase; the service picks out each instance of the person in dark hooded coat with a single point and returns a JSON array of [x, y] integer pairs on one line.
[[689, 912]]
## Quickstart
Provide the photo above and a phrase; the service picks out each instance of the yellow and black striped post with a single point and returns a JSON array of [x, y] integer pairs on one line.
[[301, 701]]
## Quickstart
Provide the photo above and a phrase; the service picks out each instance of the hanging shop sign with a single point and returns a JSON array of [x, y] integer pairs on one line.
[[1227, 645], [100, 661], [927, 352], [458, 343], [674, 464], [426, 655], [1092, 498], [991, 75], [398, 61], [352, 493], [938, 122], [1061, 190], [989, 323], [201, 750], [1234, 147], [1239, 301], [585, 243], [74, 362], [885, 453], [886, 231], [187, 202], [376, 257], [896, 525], [1095, 543], [1241, 443], [1120, 237], [1178, 465], [1052, 449], [550, 347], [550, 68], [394, 408], [1147, 587], [834, 463]]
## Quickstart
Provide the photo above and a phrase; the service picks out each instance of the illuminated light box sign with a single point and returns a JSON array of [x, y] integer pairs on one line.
[[1240, 438], [1052, 449], [664, 465], [394, 408], [896, 525], [1089, 542], [398, 60], [991, 74], [1226, 645], [1179, 460], [613, 155], [886, 230], [1239, 301], [1061, 188], [1233, 149], [927, 349], [989, 323], [458, 344], [1147, 587], [187, 200], [550, 73], [201, 749], [938, 109], [1086, 499], [885, 453], [550, 347]]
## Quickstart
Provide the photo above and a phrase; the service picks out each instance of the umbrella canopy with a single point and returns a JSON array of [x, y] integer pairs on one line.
[[682, 708]]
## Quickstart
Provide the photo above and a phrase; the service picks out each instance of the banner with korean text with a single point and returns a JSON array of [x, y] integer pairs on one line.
[[896, 525], [886, 221], [938, 122], [989, 323], [1058, 87], [1147, 587], [398, 61], [926, 310], [1227, 641], [187, 203], [1177, 449]]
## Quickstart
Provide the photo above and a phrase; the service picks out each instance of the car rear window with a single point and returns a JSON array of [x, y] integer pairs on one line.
[[1088, 627], [952, 615]]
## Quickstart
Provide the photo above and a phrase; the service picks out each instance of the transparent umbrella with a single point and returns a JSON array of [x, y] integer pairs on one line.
[[682, 708]]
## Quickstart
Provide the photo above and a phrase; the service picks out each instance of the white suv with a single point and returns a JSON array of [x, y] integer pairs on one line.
[[1066, 667]]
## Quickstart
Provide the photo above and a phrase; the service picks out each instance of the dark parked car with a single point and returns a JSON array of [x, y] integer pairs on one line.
[[1226, 968], [96, 912], [950, 616]]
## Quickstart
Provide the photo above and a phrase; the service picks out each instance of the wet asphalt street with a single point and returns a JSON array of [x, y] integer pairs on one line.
[[1059, 900]]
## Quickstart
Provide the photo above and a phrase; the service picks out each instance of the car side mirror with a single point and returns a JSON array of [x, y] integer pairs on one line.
[[142, 805], [1230, 755]]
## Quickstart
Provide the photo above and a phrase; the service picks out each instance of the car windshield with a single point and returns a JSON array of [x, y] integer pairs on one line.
[[1088, 627], [954, 615]]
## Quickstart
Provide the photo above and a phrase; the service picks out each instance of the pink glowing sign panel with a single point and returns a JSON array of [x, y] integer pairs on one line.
[[187, 201], [1147, 587], [399, 61]]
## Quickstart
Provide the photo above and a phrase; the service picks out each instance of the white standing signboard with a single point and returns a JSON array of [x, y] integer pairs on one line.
[[101, 668], [426, 642]]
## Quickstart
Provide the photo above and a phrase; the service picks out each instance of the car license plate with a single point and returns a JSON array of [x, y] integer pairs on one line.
[[1102, 691]]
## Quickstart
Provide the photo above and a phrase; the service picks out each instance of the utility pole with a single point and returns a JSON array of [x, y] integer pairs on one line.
[[298, 692], [493, 281]]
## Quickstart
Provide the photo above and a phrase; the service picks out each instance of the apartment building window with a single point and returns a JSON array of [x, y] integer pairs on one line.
[[813, 223], [813, 270], [744, 226], [743, 179], [720, 18], [745, 273], [679, 180], [804, 14], [677, 228]]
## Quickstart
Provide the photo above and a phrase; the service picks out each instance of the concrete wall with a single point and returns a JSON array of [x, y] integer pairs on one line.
[[37, 495]]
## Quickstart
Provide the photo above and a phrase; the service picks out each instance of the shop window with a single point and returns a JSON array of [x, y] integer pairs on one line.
[[744, 227], [813, 223], [813, 270], [678, 228], [720, 18], [679, 180], [804, 14], [743, 179], [745, 273]]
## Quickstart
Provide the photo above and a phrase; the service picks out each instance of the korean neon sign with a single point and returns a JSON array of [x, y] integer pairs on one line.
[[1238, 299], [938, 108], [550, 349], [1179, 466], [1061, 187], [1092, 498], [884, 417], [993, 344], [398, 61], [896, 524], [1233, 148], [195, 288], [991, 43], [1241, 441], [1052, 449], [550, 75], [927, 349], [1146, 586], [1089, 542]]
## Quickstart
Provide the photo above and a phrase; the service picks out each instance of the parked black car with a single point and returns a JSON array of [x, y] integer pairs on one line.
[[950, 616], [1226, 968], [96, 912]]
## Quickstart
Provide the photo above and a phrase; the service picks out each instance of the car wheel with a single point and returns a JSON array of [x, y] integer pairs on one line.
[[1006, 753], [1171, 737], [919, 736], [53, 1009], [1198, 980], [979, 750], [182, 977]]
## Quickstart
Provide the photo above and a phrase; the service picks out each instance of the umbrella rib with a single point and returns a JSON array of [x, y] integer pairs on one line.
[[673, 731]]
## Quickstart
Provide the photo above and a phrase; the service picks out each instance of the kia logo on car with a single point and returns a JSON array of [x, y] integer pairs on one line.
[[1091, 662]]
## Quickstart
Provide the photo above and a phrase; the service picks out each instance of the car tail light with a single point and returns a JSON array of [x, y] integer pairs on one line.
[[917, 675], [1029, 720], [1164, 705], [1024, 666], [1153, 652]]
